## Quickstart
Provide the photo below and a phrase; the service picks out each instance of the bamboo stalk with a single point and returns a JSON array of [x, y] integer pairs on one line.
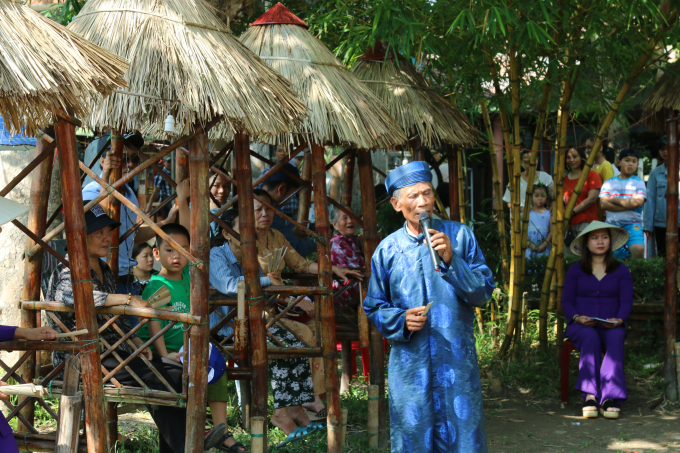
[[461, 186], [349, 178], [373, 416], [454, 199], [498, 196], [81, 280], [371, 240], [343, 436], [37, 217], [257, 434], [671, 283], [117, 145]]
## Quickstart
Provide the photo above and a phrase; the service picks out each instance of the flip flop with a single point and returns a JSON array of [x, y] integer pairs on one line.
[[296, 436], [321, 415], [237, 447], [214, 437], [317, 426]]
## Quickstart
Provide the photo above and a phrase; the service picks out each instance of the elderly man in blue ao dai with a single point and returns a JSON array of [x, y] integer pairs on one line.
[[435, 395]]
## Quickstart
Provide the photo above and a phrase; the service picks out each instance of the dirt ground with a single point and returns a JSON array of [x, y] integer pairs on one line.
[[522, 425]]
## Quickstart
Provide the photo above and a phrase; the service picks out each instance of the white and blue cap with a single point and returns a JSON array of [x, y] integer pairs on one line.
[[217, 366], [408, 175]]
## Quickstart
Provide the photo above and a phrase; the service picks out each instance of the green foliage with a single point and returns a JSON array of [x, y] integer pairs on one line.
[[65, 14], [389, 220]]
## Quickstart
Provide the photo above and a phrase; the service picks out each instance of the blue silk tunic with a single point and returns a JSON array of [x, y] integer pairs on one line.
[[435, 395]]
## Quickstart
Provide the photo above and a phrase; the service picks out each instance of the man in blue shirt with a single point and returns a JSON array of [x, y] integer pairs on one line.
[[126, 280], [279, 186]]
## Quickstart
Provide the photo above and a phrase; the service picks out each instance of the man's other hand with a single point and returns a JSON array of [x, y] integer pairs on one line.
[[414, 320]]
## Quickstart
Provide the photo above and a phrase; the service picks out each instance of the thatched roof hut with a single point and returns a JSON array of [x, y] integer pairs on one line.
[[411, 100], [45, 67], [666, 94], [342, 110], [180, 51]]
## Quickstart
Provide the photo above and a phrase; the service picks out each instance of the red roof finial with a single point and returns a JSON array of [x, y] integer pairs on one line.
[[377, 52], [279, 14]]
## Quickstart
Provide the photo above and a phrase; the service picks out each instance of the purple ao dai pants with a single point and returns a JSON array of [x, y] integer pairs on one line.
[[602, 377]]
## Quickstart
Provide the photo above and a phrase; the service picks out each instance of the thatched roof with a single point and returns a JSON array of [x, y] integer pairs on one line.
[[180, 51], [44, 66], [666, 94], [411, 100], [342, 110]]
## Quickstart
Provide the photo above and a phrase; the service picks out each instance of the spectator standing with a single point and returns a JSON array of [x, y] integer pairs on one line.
[[292, 205], [585, 210], [541, 177], [654, 224], [161, 188], [622, 198], [539, 233]]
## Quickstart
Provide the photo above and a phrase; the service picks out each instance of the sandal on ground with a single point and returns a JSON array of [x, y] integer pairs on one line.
[[238, 447], [316, 425], [604, 409], [590, 408], [297, 435], [321, 415], [214, 437]]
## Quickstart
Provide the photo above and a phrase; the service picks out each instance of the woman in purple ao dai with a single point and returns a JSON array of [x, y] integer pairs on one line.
[[597, 300]]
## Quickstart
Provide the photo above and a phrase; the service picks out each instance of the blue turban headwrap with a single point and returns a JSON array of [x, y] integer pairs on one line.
[[408, 175]]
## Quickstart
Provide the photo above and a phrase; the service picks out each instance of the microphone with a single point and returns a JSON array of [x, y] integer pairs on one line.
[[426, 224]]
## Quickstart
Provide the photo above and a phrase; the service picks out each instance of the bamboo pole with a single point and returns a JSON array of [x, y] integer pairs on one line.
[[327, 308], [74, 220], [461, 186], [514, 302], [671, 285], [255, 298], [306, 193], [349, 178], [117, 145], [371, 241], [343, 436], [346, 366], [70, 406], [498, 196], [373, 433], [199, 162], [37, 221], [257, 434], [454, 198]]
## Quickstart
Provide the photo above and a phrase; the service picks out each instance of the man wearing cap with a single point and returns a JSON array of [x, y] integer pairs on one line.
[[622, 198], [126, 279], [161, 188], [434, 387], [291, 207], [279, 186]]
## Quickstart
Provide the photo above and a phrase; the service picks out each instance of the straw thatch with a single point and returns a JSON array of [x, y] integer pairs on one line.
[[180, 51], [666, 94], [342, 110], [229, 10], [411, 100], [44, 66]]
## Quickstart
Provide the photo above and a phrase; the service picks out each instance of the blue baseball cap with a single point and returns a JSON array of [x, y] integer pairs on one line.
[[217, 366]]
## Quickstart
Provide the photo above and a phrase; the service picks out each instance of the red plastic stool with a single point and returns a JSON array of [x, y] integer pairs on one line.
[[365, 361], [567, 348]]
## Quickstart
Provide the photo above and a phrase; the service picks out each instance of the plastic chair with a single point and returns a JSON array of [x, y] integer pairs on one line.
[[365, 361]]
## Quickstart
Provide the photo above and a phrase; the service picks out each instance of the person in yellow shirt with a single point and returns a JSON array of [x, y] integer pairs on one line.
[[603, 168]]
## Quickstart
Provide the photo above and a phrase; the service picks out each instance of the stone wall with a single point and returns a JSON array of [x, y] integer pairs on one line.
[[13, 241]]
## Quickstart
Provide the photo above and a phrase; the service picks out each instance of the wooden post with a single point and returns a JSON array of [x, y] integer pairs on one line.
[[373, 432], [251, 272], [349, 179], [112, 423], [346, 366], [257, 442], [343, 436], [70, 406], [305, 194], [454, 201], [670, 371], [199, 163], [327, 308], [74, 219], [461, 187], [371, 241], [117, 145], [37, 220]]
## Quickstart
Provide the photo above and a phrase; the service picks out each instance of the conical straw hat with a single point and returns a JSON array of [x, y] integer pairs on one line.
[[10, 210], [411, 100], [180, 51], [619, 237], [44, 67], [342, 110]]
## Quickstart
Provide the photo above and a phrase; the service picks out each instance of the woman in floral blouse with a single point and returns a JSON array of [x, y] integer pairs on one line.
[[346, 251]]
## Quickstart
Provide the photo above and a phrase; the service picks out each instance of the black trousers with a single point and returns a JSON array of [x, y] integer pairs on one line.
[[660, 238], [171, 421]]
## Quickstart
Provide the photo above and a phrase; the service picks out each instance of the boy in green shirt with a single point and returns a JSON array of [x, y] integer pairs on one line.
[[174, 275]]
